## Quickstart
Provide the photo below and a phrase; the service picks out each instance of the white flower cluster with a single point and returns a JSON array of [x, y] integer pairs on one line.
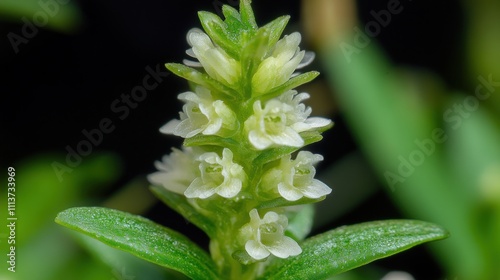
[[265, 123], [280, 121], [198, 175]]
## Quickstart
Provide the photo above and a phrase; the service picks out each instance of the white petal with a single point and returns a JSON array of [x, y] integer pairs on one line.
[[300, 97], [288, 137], [258, 140], [224, 112], [270, 217], [169, 127], [198, 190], [317, 189], [213, 127], [187, 129], [287, 70], [306, 157], [301, 127], [308, 59], [285, 248], [188, 96], [192, 30], [289, 192], [254, 215], [191, 53], [168, 181], [191, 63], [256, 250], [315, 122], [215, 61], [287, 47], [231, 189]]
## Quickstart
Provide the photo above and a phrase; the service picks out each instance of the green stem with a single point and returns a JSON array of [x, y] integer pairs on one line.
[[222, 249]]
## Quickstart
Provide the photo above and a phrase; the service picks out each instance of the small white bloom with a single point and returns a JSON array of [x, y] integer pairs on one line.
[[271, 125], [201, 114], [279, 66], [176, 171], [218, 175], [216, 62], [280, 121], [294, 179], [267, 236], [300, 117]]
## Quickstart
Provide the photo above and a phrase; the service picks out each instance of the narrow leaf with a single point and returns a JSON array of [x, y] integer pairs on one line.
[[301, 222], [211, 140], [202, 79], [142, 238], [179, 204], [230, 12], [217, 30], [275, 29], [124, 262], [281, 202], [273, 154], [247, 16], [348, 247], [291, 84]]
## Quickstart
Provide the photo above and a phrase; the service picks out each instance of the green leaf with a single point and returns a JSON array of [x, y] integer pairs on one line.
[[234, 26], [314, 135], [142, 238], [348, 247], [247, 16], [275, 29], [195, 76], [290, 84], [123, 262], [281, 202], [231, 14], [181, 205], [217, 31], [300, 222], [211, 140], [273, 154]]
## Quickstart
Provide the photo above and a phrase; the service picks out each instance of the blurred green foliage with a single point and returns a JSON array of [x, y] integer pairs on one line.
[[44, 250], [438, 152], [61, 15]]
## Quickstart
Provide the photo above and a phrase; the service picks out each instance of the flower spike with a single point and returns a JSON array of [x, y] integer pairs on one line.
[[242, 122]]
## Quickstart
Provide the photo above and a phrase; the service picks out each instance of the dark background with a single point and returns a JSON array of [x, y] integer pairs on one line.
[[59, 84]]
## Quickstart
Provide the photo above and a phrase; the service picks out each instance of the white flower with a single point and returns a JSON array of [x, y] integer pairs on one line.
[[176, 171], [270, 125], [280, 121], [267, 236], [218, 175], [216, 62], [294, 179], [279, 66], [201, 114], [300, 117]]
